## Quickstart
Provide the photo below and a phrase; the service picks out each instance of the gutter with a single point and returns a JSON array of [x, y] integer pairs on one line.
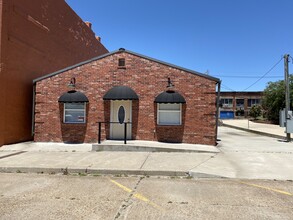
[[217, 111], [33, 111]]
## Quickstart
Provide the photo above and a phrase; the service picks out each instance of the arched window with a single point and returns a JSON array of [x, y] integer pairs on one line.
[[169, 108], [74, 107]]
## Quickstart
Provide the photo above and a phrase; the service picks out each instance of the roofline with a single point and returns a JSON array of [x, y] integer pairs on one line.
[[242, 91], [175, 66], [121, 50], [72, 67]]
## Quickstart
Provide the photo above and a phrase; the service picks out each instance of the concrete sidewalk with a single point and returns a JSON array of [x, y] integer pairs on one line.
[[80, 158], [240, 154], [269, 130]]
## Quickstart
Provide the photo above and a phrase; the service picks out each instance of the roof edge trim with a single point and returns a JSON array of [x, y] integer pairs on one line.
[[74, 66], [174, 66], [130, 52]]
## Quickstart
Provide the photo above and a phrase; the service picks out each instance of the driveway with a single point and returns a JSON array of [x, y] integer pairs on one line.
[[247, 155]]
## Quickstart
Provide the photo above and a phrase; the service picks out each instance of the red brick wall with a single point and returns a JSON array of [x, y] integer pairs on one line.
[[2, 106], [148, 79], [37, 37]]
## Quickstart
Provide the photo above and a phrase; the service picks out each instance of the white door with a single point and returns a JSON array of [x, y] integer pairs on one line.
[[120, 113]]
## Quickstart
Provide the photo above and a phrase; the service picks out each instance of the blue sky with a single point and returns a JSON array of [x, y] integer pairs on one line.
[[237, 41]]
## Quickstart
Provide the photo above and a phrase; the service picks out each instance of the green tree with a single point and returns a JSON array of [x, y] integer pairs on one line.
[[255, 111], [274, 99]]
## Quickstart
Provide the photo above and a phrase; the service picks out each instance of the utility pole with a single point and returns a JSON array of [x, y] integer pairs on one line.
[[287, 94]]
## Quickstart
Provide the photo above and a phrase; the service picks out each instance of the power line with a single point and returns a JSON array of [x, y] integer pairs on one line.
[[246, 77], [264, 75], [226, 87]]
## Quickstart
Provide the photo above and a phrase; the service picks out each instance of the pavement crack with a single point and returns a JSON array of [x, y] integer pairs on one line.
[[213, 156], [126, 204], [145, 161], [13, 154]]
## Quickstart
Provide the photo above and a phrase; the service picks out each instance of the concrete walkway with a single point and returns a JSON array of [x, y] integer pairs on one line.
[[83, 158], [240, 154], [269, 130]]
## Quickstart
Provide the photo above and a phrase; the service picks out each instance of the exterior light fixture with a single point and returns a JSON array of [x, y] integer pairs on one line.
[[72, 83], [170, 85]]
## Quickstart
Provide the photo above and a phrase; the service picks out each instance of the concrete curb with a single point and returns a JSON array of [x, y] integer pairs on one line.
[[135, 148], [66, 171], [204, 175], [255, 132]]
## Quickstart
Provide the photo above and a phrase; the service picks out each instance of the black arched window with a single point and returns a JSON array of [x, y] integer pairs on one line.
[[74, 107], [169, 107], [74, 112]]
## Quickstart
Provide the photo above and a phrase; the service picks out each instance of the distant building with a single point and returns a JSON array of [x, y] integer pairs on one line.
[[36, 37], [238, 104]]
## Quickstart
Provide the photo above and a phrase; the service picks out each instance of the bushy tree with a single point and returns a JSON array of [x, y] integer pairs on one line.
[[274, 99], [255, 111]]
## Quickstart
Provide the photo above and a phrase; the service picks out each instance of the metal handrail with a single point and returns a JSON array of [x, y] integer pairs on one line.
[[112, 122]]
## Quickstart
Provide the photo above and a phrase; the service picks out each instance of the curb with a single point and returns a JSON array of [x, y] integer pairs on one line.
[[204, 175], [136, 148], [66, 171], [255, 132]]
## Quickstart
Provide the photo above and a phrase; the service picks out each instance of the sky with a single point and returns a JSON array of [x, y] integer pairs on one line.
[[242, 42]]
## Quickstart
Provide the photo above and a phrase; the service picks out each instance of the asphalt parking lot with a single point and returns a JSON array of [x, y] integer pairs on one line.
[[42, 196]]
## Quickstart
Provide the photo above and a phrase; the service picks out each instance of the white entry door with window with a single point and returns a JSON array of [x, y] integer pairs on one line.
[[120, 113]]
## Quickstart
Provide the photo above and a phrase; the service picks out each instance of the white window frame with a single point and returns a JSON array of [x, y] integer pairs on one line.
[[253, 102], [74, 122], [167, 111], [226, 102]]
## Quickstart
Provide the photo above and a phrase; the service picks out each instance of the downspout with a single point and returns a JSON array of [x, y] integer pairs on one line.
[[217, 110], [33, 110]]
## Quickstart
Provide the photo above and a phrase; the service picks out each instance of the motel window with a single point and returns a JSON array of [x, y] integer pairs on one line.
[[227, 103], [169, 114], [74, 112], [252, 102]]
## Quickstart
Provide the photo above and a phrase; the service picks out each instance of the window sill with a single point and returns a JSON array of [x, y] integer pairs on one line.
[[121, 67], [74, 123], [168, 125]]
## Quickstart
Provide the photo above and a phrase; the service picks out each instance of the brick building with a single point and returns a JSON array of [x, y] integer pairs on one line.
[[238, 104], [156, 100], [36, 37]]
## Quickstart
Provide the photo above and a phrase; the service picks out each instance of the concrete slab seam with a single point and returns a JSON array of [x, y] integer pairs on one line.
[[213, 156], [147, 157], [13, 154]]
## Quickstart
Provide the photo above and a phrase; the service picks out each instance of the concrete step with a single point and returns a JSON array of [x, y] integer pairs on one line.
[[151, 146]]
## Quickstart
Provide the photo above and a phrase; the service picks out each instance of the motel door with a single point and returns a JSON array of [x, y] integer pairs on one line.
[[120, 113]]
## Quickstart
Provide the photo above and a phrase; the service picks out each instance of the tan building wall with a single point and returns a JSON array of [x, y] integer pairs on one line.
[[36, 38]]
